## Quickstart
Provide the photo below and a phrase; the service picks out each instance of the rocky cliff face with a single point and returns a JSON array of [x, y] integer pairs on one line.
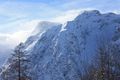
[[61, 52]]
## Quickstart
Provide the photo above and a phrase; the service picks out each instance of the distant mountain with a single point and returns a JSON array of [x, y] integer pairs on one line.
[[60, 52]]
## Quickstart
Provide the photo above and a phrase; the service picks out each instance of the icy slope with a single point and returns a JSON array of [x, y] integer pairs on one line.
[[62, 52]]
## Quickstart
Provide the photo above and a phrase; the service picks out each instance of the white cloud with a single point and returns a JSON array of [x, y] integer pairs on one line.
[[66, 16], [116, 11], [69, 15], [14, 38], [28, 25]]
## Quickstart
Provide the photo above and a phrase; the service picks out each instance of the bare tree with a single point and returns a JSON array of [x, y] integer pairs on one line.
[[106, 64], [18, 67]]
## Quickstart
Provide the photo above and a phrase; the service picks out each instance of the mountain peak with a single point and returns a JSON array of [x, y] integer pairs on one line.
[[91, 12], [88, 14]]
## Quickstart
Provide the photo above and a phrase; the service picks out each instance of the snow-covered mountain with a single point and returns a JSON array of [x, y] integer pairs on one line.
[[60, 52]]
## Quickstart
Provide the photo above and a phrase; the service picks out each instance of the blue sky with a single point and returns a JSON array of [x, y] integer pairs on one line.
[[18, 17]]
